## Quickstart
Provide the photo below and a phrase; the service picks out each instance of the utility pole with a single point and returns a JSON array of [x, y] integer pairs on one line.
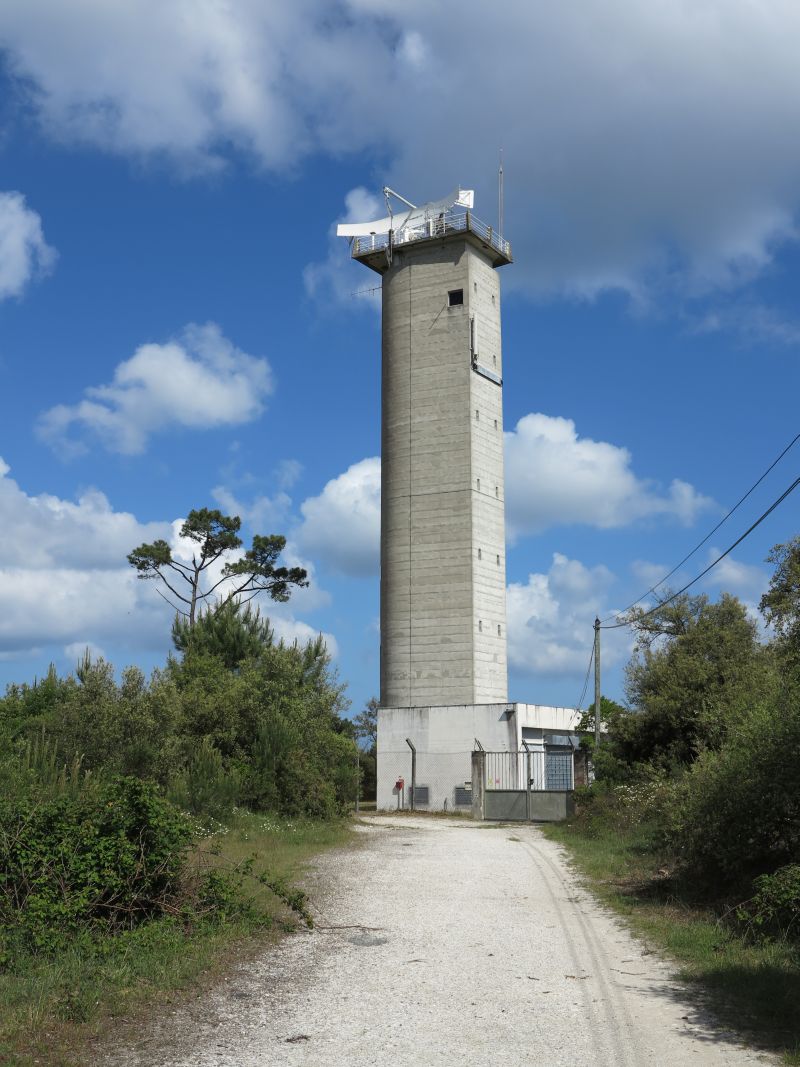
[[597, 683]]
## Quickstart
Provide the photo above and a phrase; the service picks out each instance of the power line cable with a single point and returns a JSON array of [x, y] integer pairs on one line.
[[702, 574], [579, 705], [709, 535]]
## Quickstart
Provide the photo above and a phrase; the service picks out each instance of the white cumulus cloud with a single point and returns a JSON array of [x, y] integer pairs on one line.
[[550, 620], [46, 531], [24, 253], [65, 580], [200, 381], [645, 144], [342, 525], [555, 477], [337, 278]]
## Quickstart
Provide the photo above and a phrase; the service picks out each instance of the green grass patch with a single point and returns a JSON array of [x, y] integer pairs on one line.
[[53, 1007], [752, 988]]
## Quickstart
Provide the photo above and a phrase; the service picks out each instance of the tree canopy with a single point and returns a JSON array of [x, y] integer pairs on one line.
[[193, 584], [695, 665], [780, 605], [229, 631]]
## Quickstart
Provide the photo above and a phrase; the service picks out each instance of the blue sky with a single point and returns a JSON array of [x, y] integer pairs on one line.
[[177, 328]]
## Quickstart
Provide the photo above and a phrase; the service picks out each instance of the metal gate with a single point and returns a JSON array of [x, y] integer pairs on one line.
[[532, 785]]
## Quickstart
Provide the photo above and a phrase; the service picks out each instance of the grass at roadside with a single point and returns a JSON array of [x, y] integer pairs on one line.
[[52, 1008], [752, 988]]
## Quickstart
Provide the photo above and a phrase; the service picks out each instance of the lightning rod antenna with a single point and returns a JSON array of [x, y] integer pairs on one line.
[[500, 196]]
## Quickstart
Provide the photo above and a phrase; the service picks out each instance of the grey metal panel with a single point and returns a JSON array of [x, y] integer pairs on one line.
[[510, 805], [506, 804]]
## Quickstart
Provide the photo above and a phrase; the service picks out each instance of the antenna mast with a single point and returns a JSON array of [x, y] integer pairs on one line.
[[500, 196]]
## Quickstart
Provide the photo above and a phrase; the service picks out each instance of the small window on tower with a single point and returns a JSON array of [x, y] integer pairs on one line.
[[499, 631], [455, 297], [479, 485], [497, 491], [480, 626], [480, 554], [495, 424], [477, 414], [475, 287], [498, 559]]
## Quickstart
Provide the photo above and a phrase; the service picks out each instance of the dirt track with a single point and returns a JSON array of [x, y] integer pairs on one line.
[[445, 943]]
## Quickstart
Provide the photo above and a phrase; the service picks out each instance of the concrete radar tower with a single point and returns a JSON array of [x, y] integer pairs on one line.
[[443, 609]]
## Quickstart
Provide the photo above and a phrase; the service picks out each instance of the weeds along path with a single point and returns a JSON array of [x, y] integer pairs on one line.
[[445, 942]]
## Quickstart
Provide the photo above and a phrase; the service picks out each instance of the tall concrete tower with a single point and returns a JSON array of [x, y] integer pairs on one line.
[[443, 612]]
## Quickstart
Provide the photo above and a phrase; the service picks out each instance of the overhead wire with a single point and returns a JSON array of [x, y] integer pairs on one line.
[[703, 573], [579, 705], [710, 534]]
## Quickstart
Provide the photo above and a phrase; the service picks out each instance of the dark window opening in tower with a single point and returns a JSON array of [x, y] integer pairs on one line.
[[455, 297]]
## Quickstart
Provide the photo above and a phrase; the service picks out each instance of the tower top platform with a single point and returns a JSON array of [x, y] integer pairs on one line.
[[375, 250]]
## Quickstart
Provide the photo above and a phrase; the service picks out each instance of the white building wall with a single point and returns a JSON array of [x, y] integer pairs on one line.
[[445, 738]]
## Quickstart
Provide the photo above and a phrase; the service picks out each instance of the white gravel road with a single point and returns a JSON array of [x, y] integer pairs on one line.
[[445, 942]]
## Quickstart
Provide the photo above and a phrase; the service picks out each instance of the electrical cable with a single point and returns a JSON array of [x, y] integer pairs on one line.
[[710, 534], [579, 705], [719, 559]]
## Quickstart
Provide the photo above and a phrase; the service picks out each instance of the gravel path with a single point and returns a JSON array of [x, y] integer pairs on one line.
[[445, 942]]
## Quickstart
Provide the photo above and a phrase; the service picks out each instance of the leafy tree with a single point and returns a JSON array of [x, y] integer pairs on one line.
[[216, 534], [225, 630], [780, 605], [366, 724], [697, 666], [739, 808], [365, 729]]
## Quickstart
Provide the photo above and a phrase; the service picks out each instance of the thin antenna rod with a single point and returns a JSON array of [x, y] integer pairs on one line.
[[500, 196]]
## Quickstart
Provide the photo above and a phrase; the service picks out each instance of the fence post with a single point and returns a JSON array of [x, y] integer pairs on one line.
[[478, 784], [527, 782], [413, 771]]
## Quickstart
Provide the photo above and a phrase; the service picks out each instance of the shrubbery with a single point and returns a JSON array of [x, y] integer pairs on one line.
[[113, 856], [100, 779], [704, 769], [266, 732], [739, 808]]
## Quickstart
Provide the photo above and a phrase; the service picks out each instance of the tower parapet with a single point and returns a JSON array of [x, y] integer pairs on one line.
[[371, 249]]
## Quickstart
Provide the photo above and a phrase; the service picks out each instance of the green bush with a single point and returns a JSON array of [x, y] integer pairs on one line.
[[112, 856], [737, 815], [206, 784], [266, 733], [775, 905]]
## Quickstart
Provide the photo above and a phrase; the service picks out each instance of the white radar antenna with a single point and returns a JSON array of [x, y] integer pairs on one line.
[[413, 219]]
